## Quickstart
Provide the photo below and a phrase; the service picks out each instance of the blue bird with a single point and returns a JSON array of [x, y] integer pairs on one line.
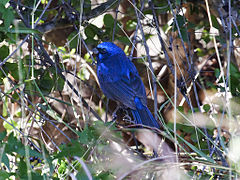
[[120, 81]]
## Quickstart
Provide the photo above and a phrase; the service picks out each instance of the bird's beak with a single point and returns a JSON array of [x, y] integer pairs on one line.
[[95, 51]]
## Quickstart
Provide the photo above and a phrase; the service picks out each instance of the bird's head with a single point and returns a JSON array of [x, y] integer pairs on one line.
[[107, 50]]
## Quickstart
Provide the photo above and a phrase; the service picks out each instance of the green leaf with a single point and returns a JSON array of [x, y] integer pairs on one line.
[[88, 58], [184, 34], [108, 20], [123, 39], [180, 108], [182, 25], [181, 21], [2, 9], [197, 150], [11, 38], [83, 136], [37, 176], [188, 129], [178, 2], [191, 25], [8, 17], [73, 149], [217, 72], [60, 84], [5, 160], [234, 85], [205, 36], [206, 107], [4, 52], [86, 6], [34, 153], [13, 69], [15, 97], [4, 2], [46, 83], [8, 126], [105, 176], [73, 39], [215, 22], [2, 135], [62, 168], [1, 77], [87, 135], [233, 69], [22, 168], [84, 74], [4, 174], [91, 41], [14, 145], [131, 25], [81, 175], [91, 30], [200, 52]]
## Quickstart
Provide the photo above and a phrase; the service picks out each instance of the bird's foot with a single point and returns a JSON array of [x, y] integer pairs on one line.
[[114, 114], [127, 118], [114, 117]]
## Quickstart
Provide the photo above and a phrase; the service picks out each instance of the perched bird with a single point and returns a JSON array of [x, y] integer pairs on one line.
[[120, 81]]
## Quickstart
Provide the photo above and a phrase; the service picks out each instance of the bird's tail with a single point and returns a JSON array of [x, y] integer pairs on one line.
[[144, 116]]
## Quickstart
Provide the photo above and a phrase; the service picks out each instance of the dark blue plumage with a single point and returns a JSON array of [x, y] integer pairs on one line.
[[120, 81]]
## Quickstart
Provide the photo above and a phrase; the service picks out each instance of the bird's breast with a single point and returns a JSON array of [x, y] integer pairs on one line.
[[106, 73], [103, 70]]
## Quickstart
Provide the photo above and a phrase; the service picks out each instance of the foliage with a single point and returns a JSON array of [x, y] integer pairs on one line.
[[52, 110]]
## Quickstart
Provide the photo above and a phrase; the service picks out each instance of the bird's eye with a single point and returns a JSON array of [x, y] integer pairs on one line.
[[102, 50]]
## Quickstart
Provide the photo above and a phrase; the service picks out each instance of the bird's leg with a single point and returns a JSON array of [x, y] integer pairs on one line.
[[114, 114], [127, 118]]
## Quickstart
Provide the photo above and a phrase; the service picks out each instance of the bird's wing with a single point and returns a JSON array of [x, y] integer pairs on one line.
[[137, 84], [126, 88]]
